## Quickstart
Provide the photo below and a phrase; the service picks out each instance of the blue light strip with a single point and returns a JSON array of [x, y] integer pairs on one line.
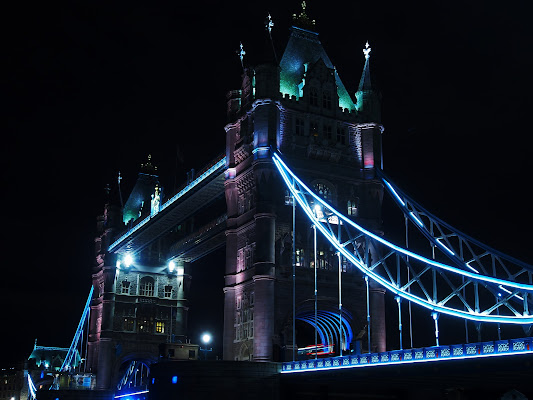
[[284, 170], [498, 348], [130, 394], [72, 350], [472, 315], [219, 164]]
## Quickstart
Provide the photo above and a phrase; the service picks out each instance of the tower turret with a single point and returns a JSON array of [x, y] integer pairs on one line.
[[368, 101]]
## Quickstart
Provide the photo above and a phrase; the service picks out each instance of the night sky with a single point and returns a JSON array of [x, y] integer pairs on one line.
[[92, 88]]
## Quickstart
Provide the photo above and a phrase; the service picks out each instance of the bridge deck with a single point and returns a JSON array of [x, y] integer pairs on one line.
[[426, 354]]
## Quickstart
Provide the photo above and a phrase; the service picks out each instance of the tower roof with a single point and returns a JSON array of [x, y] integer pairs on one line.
[[304, 47]]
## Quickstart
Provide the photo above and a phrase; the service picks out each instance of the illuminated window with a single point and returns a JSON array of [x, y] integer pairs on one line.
[[352, 207], [128, 324], [299, 259], [125, 287], [159, 327], [147, 286], [323, 191], [145, 325], [168, 292]]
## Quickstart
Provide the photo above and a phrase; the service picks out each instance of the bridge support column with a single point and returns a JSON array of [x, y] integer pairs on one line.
[[180, 321], [105, 370], [229, 295], [264, 287], [264, 317], [377, 320]]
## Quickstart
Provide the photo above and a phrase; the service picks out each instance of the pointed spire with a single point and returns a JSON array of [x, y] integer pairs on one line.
[[302, 20], [241, 53], [364, 83], [148, 167]]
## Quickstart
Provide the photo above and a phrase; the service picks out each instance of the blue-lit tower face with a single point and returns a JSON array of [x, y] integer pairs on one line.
[[301, 108]]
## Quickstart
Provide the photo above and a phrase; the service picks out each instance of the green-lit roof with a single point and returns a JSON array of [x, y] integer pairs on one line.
[[305, 47]]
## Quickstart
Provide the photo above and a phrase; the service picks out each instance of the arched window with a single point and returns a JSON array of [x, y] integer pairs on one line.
[[353, 204], [326, 100], [146, 287], [323, 190], [313, 96], [125, 287]]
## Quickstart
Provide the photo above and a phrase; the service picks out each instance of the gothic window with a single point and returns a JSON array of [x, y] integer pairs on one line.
[[249, 256], [328, 131], [352, 207], [323, 191], [145, 325], [321, 260], [299, 127], [326, 100], [168, 292], [128, 324], [299, 259], [125, 287], [313, 97], [147, 286], [314, 128], [159, 327], [240, 260], [341, 135]]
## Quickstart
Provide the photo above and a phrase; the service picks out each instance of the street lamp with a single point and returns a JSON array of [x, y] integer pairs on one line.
[[206, 339]]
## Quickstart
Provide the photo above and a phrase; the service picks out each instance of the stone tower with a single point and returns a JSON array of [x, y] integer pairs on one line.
[[301, 109], [138, 299]]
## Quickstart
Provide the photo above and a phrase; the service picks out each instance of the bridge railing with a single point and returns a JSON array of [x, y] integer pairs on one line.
[[424, 354]]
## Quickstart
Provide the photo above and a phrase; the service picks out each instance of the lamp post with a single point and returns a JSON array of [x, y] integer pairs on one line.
[[205, 339]]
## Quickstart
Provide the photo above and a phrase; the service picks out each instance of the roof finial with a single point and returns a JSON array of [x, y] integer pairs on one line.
[[367, 50], [241, 53], [268, 25], [303, 20]]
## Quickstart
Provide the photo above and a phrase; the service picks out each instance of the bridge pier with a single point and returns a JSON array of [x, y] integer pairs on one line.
[[377, 318]]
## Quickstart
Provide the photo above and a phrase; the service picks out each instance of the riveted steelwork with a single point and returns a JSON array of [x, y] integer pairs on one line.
[[455, 288]]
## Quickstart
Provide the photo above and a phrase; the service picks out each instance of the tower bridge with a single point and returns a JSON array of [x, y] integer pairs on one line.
[[296, 203]]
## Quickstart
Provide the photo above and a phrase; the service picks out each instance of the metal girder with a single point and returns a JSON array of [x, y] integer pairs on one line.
[[205, 240], [179, 210], [446, 288]]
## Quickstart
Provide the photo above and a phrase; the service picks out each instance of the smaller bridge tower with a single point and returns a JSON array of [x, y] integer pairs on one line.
[[139, 299]]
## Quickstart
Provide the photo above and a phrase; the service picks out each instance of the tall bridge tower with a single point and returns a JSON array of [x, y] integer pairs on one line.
[[301, 109]]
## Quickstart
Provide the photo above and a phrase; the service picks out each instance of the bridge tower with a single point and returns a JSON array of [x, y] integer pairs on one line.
[[301, 109], [138, 300]]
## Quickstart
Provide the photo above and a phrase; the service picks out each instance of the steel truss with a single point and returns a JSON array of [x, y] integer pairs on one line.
[[70, 359], [476, 283]]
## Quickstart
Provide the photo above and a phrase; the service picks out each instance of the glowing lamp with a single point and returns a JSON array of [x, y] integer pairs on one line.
[[206, 338], [171, 266], [128, 260]]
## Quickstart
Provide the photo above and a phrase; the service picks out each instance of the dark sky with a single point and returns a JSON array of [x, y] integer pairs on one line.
[[91, 88]]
